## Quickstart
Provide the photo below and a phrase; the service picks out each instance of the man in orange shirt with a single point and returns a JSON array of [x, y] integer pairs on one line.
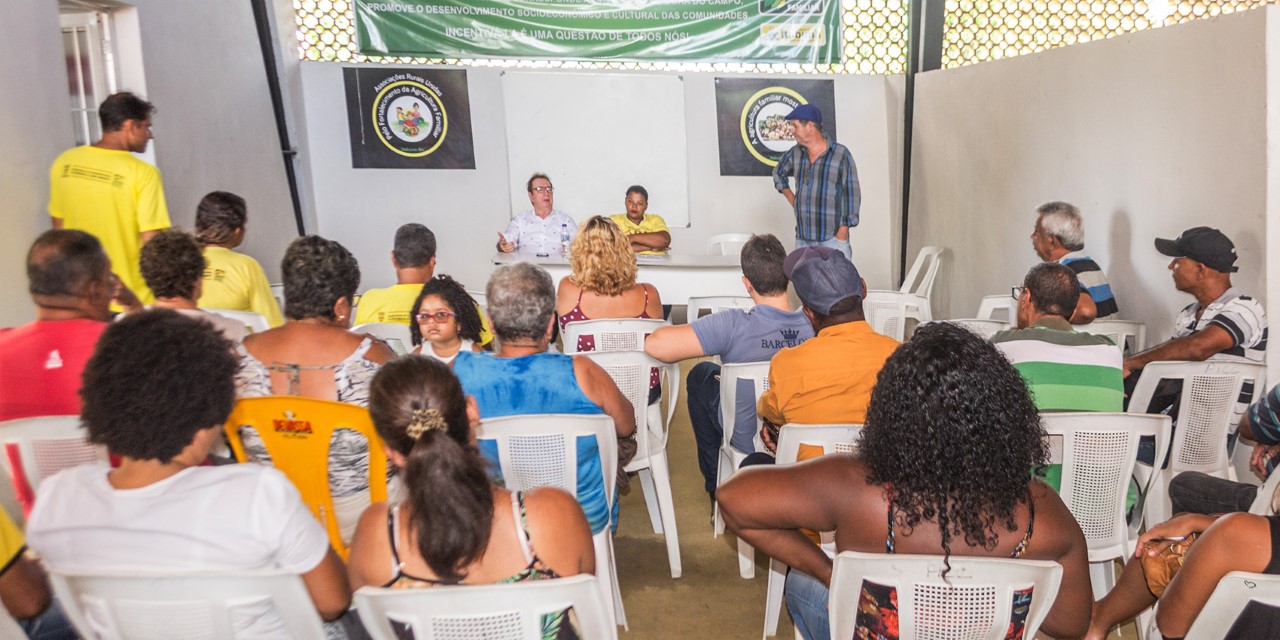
[[828, 379]]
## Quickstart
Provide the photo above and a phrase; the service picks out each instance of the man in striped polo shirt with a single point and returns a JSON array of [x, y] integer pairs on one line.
[[1222, 323], [1059, 237], [1064, 370]]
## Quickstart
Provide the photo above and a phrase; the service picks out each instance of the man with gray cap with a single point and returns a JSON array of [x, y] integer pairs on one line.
[[827, 195], [828, 379], [1222, 323]]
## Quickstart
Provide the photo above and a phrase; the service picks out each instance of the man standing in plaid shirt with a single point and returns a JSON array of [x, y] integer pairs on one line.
[[827, 195]]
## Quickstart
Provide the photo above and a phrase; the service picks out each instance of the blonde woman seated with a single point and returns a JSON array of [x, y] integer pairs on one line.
[[603, 284], [454, 526], [314, 355]]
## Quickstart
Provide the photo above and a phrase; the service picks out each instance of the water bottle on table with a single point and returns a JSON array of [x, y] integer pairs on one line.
[[564, 240]]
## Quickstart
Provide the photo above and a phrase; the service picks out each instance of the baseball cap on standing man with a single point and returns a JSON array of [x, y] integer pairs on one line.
[[806, 112]]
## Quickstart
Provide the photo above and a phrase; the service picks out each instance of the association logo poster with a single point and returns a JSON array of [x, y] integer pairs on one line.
[[409, 118], [751, 120]]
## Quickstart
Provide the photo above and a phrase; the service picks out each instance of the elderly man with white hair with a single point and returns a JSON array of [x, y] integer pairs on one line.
[[1059, 237]]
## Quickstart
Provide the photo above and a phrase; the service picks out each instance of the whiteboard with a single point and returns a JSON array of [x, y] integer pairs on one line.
[[595, 135]]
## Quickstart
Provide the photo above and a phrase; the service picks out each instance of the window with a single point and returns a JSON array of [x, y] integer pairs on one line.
[[91, 76]]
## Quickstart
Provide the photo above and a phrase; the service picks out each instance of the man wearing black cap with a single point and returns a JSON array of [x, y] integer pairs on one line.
[[1222, 323], [827, 194], [828, 379]]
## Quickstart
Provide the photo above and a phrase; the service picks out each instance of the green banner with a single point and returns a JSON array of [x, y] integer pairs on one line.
[[794, 31]]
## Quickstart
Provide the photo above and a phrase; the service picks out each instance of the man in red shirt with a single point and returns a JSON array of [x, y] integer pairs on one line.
[[72, 285]]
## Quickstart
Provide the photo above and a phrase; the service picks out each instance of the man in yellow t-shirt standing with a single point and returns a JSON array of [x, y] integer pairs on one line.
[[103, 189], [647, 232], [414, 257]]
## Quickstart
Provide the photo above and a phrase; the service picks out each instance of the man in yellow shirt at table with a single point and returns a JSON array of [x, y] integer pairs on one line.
[[414, 258], [647, 232]]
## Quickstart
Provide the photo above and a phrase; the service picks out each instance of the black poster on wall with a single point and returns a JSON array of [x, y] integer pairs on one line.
[[409, 118], [751, 120]]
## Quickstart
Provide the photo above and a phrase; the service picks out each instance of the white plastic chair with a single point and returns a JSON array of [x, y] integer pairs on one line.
[[277, 292], [542, 450], [1234, 591], [1264, 503], [925, 268], [611, 334], [1098, 452], [1003, 303], [757, 373], [713, 304], [43, 446], [630, 371], [256, 322], [473, 612], [181, 606], [396, 335], [982, 326], [833, 438], [726, 244], [888, 311], [1207, 409], [973, 601], [1120, 331]]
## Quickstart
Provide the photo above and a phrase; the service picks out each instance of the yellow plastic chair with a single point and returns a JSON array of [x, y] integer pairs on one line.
[[296, 432]]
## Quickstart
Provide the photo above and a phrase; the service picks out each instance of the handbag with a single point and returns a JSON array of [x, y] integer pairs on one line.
[[1160, 568]]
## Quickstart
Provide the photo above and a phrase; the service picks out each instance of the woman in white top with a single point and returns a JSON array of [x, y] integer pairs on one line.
[[156, 393], [445, 320]]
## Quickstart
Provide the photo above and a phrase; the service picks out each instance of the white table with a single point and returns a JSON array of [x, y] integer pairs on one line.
[[677, 277]]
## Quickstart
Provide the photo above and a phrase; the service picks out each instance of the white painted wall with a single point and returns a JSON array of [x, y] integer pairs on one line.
[[32, 77], [362, 207], [1149, 134]]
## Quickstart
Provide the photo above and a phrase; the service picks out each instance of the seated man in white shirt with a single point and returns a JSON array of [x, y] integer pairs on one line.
[[156, 393], [542, 230]]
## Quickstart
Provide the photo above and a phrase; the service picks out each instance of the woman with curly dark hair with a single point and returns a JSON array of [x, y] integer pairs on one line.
[[445, 320], [943, 467]]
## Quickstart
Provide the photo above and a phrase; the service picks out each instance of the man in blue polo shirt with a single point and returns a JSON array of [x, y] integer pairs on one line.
[[736, 335], [827, 196]]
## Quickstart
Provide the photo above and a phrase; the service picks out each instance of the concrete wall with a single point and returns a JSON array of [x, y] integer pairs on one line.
[[214, 128], [32, 133], [1149, 134]]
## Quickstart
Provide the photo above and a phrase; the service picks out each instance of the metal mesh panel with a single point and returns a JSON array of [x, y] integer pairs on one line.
[[953, 612], [145, 620], [503, 626], [1098, 459], [54, 455], [537, 461], [1203, 424]]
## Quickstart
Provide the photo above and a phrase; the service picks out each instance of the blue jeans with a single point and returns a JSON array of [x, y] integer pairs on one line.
[[703, 397], [807, 602], [50, 625], [841, 245]]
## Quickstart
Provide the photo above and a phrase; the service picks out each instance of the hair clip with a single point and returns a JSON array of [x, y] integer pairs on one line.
[[423, 421]]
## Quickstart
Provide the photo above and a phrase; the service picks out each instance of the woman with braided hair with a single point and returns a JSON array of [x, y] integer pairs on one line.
[[232, 280], [453, 526], [943, 467]]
